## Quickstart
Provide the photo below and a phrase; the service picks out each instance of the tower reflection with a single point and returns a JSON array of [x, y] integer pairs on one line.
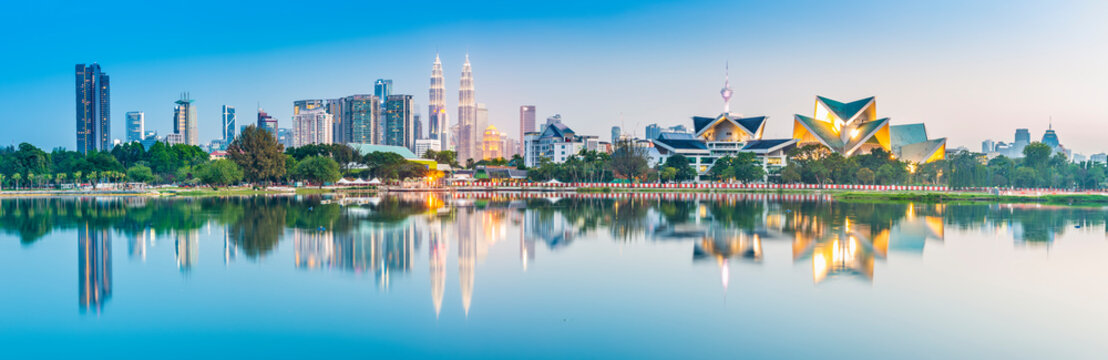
[[94, 264]]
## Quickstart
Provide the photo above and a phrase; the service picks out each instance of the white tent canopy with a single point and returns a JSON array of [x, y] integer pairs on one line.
[[343, 181], [359, 181], [553, 181], [375, 181]]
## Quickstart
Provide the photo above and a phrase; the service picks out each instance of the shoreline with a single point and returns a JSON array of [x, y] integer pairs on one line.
[[1085, 199]]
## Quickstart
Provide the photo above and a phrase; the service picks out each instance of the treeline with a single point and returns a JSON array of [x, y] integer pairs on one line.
[[254, 157], [1039, 168], [632, 163]]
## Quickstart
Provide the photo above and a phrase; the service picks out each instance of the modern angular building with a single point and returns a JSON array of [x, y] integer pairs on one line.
[[184, 121], [94, 120], [846, 128], [136, 126], [853, 128], [910, 143]]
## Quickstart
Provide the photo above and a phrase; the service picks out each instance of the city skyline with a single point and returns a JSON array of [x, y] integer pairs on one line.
[[970, 77]]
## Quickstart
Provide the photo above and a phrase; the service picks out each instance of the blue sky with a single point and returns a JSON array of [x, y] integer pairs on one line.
[[970, 70]]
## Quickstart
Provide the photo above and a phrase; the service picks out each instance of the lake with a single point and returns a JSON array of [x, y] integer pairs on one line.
[[549, 276]]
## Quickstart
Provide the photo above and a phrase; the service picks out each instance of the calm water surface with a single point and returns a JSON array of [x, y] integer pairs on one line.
[[421, 275]]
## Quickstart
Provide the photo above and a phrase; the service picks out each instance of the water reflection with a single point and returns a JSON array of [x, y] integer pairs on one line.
[[380, 237]]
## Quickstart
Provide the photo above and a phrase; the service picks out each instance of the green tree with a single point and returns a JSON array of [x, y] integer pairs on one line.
[[1036, 155], [140, 173], [318, 169], [746, 168], [629, 161], [221, 172], [259, 155], [865, 176], [685, 171]]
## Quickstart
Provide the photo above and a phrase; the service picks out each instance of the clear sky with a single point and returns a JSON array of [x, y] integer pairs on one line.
[[969, 69]]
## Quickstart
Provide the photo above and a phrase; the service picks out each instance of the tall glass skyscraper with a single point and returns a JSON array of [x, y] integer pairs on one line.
[[136, 126], [267, 122], [228, 124], [382, 88], [399, 127], [94, 125], [467, 138], [436, 111], [359, 116]]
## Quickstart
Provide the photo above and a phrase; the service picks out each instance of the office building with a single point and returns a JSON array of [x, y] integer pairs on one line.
[[382, 88], [615, 134], [436, 109], [359, 118], [526, 123], [417, 125], [94, 125], [136, 126], [228, 119], [312, 125], [285, 137], [988, 146], [423, 145], [466, 139], [399, 130], [184, 120], [652, 131], [340, 132], [267, 122], [1050, 138]]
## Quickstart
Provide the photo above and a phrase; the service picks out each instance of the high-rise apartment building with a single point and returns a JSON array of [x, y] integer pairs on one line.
[[399, 130], [341, 128], [228, 118], [436, 109], [136, 126], [184, 120], [526, 122], [467, 115], [312, 125], [94, 125]]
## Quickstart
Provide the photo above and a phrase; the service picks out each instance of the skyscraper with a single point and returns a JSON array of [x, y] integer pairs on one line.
[[267, 122], [184, 121], [417, 126], [399, 130], [228, 124], [491, 144], [526, 122], [136, 126], [382, 88], [341, 131], [467, 115], [653, 131], [360, 118], [615, 134], [436, 109], [1050, 138], [1023, 138], [94, 125], [482, 122], [312, 125]]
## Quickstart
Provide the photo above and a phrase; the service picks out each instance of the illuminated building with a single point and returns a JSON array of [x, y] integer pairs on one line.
[[94, 265], [436, 110], [468, 133], [845, 128], [94, 119], [853, 128], [491, 144]]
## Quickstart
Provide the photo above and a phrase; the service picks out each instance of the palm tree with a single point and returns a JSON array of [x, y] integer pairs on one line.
[[77, 177], [30, 180], [59, 178], [92, 176], [16, 177], [1, 181], [46, 178]]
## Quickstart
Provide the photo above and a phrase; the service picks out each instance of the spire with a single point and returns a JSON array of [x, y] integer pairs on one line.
[[726, 91]]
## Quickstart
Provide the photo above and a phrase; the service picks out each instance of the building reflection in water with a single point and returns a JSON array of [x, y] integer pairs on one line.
[[188, 249], [722, 245], [94, 264], [137, 243]]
